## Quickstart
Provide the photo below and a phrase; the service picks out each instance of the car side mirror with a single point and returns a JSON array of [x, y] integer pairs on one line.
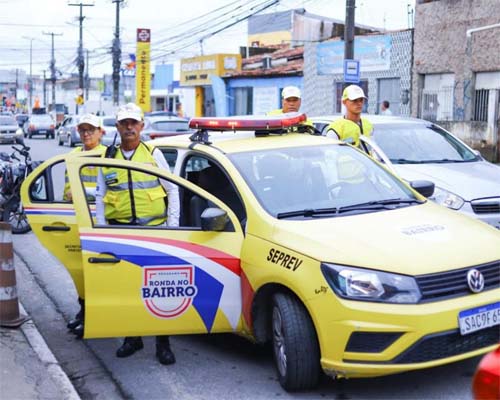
[[214, 219], [425, 188]]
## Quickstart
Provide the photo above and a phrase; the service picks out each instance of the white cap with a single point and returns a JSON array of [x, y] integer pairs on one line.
[[129, 110], [353, 92], [90, 119], [290, 91]]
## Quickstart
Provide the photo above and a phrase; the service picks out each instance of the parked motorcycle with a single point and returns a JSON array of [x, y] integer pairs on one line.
[[12, 175]]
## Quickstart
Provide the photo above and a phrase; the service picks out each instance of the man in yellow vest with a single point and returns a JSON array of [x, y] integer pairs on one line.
[[352, 125], [291, 100], [144, 204], [90, 131]]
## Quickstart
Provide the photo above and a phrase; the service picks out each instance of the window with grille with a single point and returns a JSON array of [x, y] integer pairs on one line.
[[481, 105]]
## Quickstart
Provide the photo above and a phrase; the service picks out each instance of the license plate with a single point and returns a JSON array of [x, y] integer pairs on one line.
[[42, 131], [479, 318]]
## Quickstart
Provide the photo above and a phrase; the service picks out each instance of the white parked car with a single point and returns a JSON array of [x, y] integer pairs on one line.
[[417, 149]]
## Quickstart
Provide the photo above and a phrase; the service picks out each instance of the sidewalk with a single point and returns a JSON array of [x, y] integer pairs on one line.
[[28, 369]]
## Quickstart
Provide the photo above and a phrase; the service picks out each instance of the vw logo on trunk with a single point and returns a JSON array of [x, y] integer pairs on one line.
[[475, 279]]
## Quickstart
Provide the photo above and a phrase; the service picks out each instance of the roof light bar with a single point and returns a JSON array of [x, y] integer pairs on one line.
[[248, 122]]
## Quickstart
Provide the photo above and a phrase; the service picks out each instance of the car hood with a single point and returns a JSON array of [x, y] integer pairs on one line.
[[469, 180], [4, 128], [412, 240]]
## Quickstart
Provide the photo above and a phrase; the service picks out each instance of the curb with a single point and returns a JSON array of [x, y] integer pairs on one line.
[[43, 352]]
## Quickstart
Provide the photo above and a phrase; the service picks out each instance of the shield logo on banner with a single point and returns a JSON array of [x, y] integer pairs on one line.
[[167, 292]]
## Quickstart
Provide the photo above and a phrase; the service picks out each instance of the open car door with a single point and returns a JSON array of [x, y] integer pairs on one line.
[[52, 217], [152, 280]]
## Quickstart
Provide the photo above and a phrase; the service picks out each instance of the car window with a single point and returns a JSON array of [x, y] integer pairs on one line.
[[109, 122], [171, 126], [170, 156], [290, 179], [419, 143], [211, 177]]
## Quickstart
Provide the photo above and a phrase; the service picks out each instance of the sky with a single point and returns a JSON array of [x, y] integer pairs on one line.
[[173, 27]]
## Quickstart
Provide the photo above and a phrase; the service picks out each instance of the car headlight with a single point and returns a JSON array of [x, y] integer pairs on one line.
[[371, 285], [447, 199], [19, 131]]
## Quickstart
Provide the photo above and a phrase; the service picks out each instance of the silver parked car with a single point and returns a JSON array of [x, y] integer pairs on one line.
[[10, 131], [109, 128], [416, 149], [68, 133]]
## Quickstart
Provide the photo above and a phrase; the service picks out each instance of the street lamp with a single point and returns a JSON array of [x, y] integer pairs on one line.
[[30, 87]]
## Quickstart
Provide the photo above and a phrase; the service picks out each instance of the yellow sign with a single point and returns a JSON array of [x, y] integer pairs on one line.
[[142, 70], [196, 71], [79, 100]]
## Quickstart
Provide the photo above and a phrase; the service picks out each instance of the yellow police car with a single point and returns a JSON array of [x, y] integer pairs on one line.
[[287, 237]]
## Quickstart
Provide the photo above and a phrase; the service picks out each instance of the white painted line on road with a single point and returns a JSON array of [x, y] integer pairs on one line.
[[47, 357]]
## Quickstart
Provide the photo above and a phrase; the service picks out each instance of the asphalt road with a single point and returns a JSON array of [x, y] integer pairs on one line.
[[208, 366]]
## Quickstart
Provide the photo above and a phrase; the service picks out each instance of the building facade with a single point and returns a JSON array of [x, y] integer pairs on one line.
[[456, 79], [385, 65]]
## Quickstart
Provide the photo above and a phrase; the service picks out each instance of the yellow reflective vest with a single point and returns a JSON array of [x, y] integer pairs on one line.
[[347, 129], [133, 197], [88, 174]]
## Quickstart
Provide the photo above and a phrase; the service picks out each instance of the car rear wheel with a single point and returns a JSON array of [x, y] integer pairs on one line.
[[70, 141], [295, 345]]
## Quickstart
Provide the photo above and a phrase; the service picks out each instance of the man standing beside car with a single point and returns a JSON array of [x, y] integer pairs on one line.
[[139, 202], [90, 131], [352, 125], [290, 102]]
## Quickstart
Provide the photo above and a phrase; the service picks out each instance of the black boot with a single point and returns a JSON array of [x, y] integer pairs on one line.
[[130, 346], [163, 352], [79, 317], [78, 331]]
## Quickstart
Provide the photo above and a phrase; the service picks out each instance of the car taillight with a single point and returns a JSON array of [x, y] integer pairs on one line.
[[32, 127], [486, 383]]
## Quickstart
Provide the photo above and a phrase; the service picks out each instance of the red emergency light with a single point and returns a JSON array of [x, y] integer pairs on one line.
[[248, 122]]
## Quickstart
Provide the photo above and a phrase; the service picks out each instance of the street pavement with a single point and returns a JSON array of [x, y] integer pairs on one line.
[[28, 368]]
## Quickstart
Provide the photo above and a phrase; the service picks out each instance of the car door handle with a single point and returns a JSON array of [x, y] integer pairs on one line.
[[107, 260], [54, 228]]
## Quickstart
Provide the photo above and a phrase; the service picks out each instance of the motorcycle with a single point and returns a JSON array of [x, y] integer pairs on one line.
[[12, 176]]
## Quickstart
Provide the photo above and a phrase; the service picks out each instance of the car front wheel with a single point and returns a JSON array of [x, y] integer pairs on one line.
[[295, 345]]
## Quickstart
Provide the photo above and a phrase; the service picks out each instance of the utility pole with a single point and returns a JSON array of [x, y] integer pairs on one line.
[[87, 78], [349, 30], [80, 60], [53, 69], [117, 55], [44, 89], [30, 82]]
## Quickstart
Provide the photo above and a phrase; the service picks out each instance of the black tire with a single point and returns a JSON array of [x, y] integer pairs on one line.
[[295, 344], [29, 135], [70, 141], [17, 219], [59, 141]]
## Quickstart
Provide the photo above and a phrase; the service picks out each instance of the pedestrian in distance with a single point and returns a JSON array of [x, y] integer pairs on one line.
[[384, 108], [90, 130], [352, 125], [143, 205]]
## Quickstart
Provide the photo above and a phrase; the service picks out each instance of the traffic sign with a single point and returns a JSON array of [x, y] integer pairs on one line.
[[352, 73]]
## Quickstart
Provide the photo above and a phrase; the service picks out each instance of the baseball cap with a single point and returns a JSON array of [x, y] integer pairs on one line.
[[129, 110], [290, 91], [90, 119], [353, 92]]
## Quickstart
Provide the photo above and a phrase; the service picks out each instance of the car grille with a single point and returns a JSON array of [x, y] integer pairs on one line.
[[450, 284], [486, 206], [447, 344], [7, 131]]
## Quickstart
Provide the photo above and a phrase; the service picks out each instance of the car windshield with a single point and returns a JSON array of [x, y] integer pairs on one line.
[[7, 121], [320, 181], [419, 144]]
